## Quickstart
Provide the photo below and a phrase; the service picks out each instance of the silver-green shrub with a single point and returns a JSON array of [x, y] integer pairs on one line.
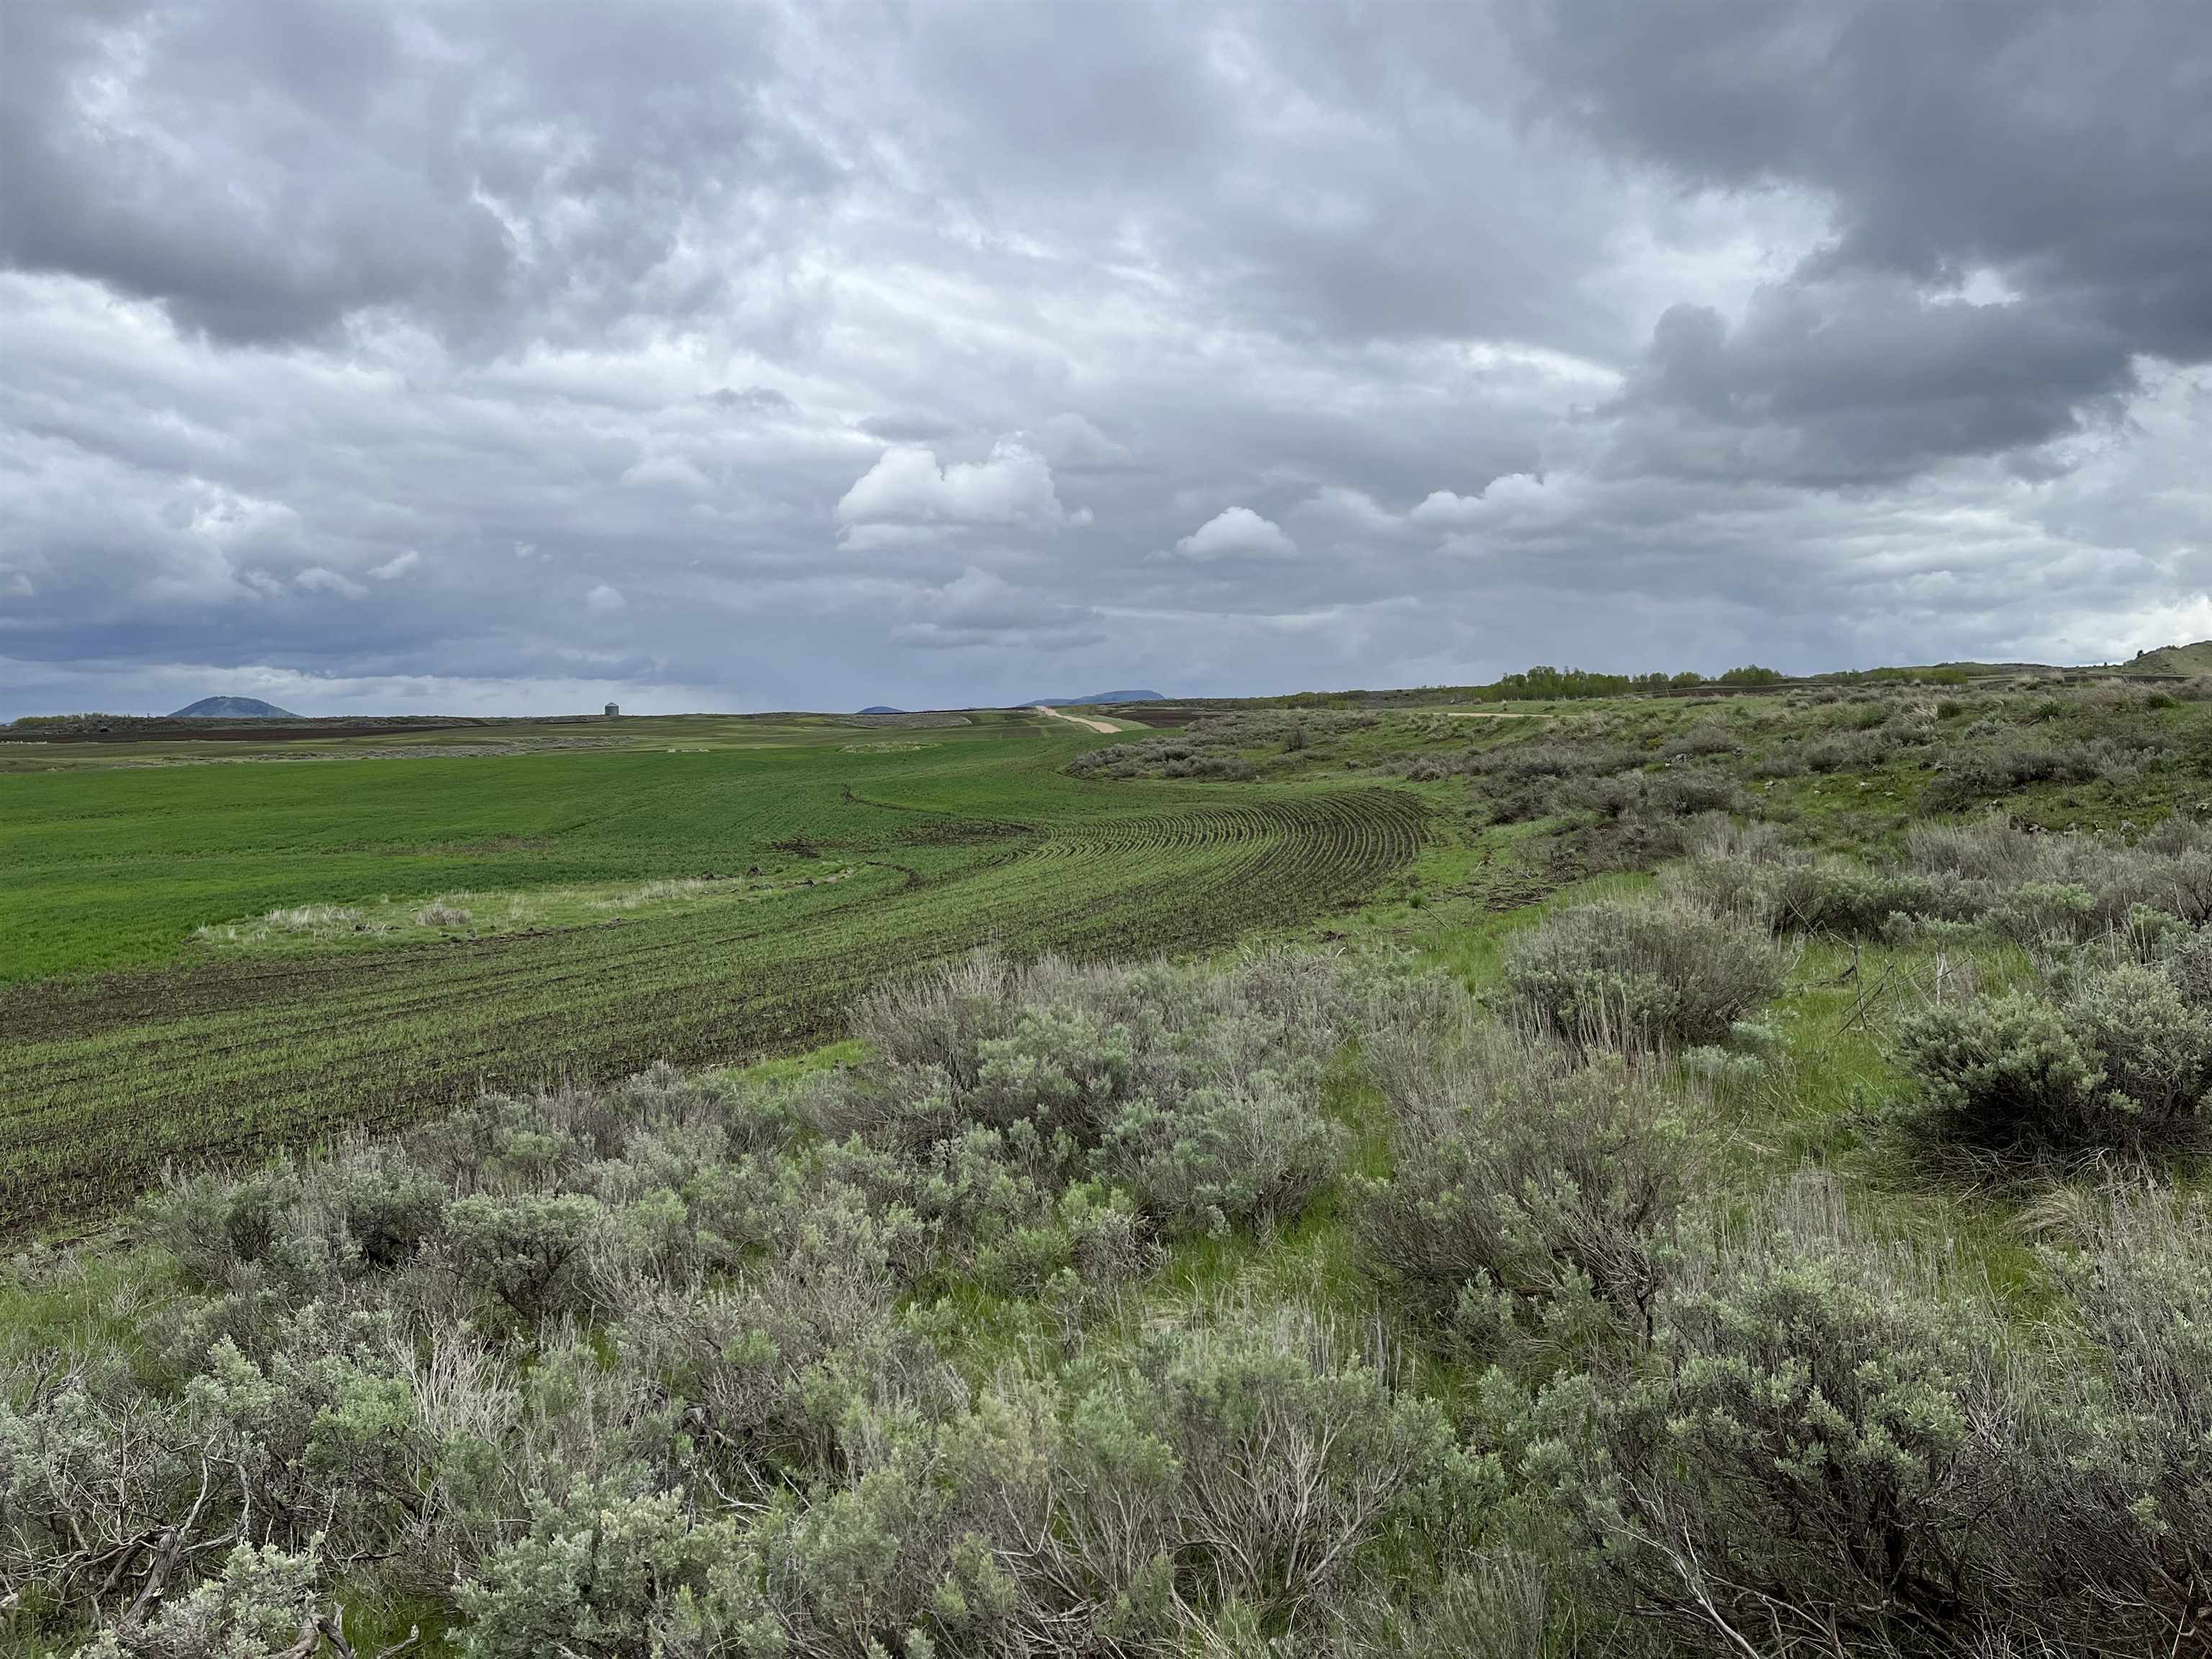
[[1527, 1179], [2006, 1073], [1799, 1462], [2126, 1062], [1667, 972]]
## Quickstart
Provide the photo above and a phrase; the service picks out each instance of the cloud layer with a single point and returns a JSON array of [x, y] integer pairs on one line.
[[510, 358]]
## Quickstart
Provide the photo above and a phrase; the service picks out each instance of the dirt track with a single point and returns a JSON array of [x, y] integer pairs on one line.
[[1107, 726]]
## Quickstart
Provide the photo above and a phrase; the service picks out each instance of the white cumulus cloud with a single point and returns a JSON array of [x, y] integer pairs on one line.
[[604, 600], [393, 569], [907, 486], [1517, 502], [1237, 532], [1446, 510]]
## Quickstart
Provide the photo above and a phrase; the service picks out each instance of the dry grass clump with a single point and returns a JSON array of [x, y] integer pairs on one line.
[[653, 892], [299, 920]]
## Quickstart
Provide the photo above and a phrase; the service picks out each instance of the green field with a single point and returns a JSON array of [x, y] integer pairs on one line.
[[808, 859], [1640, 1178]]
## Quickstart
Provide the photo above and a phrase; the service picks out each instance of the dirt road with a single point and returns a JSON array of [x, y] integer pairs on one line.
[[1107, 726]]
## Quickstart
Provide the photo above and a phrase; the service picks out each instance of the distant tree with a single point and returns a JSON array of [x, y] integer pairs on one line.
[[1545, 682]]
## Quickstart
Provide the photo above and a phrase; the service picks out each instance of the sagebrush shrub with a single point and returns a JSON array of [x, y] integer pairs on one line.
[[2190, 966], [867, 1361], [940, 1018], [1750, 872], [1294, 1457], [263, 1604], [502, 1144], [1703, 739], [2039, 914], [1543, 758], [212, 1225], [1521, 1170], [611, 1572], [996, 1087], [2006, 1073], [1798, 1459], [2155, 1047], [1250, 1149], [2126, 1062], [1667, 971], [1242, 1464], [1685, 790], [529, 1252], [1499, 1606], [2046, 892], [2115, 1519], [1859, 752], [2169, 869]]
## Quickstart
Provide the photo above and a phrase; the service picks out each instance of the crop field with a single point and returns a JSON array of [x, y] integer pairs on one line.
[[150, 1011], [1683, 1082]]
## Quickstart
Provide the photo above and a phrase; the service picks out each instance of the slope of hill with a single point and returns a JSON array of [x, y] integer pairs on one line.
[[233, 708], [1097, 696], [2194, 659]]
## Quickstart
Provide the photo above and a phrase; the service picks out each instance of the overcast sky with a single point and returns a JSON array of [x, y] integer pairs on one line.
[[506, 358]]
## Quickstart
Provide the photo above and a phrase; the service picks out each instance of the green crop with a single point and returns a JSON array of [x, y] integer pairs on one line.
[[976, 840]]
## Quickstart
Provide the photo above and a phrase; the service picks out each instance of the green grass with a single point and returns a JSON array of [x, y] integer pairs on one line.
[[132, 1043], [131, 1040], [704, 887], [2175, 660], [116, 866]]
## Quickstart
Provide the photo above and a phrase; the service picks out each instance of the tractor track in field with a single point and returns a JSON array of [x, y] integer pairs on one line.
[[105, 1079]]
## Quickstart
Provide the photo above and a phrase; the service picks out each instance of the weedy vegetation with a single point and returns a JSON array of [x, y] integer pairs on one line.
[[1635, 1175]]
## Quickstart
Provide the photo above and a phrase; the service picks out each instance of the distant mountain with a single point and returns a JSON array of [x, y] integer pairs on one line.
[[882, 709], [1098, 696], [233, 708]]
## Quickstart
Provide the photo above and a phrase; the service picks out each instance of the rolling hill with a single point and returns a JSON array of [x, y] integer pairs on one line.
[[2195, 659], [233, 708], [1098, 696]]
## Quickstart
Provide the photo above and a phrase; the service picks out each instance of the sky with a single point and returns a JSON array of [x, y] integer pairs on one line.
[[494, 358]]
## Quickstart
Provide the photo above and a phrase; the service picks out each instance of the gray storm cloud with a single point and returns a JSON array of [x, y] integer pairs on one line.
[[490, 356]]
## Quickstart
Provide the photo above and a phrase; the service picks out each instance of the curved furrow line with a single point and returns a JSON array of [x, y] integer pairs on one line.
[[98, 1097]]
